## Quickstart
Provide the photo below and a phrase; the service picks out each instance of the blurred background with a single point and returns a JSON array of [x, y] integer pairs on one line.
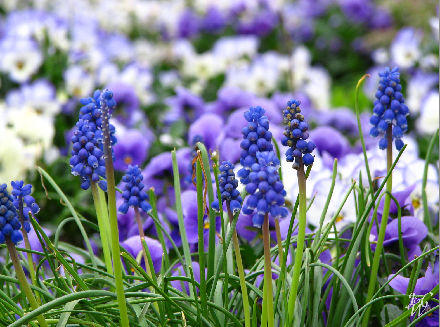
[[184, 71]]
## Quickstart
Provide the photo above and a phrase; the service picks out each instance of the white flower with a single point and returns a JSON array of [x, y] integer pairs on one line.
[[15, 158], [300, 62], [19, 58], [317, 87], [203, 66], [34, 129], [232, 48], [78, 82], [428, 121], [141, 79], [418, 87], [405, 49], [380, 56]]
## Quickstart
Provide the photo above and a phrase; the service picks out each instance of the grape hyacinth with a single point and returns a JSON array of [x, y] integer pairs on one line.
[[133, 193], [24, 201], [9, 223], [228, 187], [389, 109], [92, 112], [295, 136], [87, 157], [256, 138], [265, 189]]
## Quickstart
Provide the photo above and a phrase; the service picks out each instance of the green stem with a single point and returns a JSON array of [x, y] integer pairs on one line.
[[23, 281], [166, 262], [241, 275], [200, 230], [268, 272], [383, 226], [299, 244], [146, 253], [28, 247], [103, 232], [111, 192]]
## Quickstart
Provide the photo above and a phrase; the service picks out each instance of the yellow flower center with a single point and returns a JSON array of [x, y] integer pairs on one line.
[[339, 218], [206, 225], [128, 160], [416, 203]]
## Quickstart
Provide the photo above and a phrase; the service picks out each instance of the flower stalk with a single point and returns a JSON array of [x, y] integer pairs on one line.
[[299, 244], [241, 274], [111, 191], [268, 296], [382, 228], [23, 281], [104, 229]]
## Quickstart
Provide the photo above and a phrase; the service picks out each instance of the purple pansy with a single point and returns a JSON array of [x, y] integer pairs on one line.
[[423, 286], [179, 271], [134, 246], [210, 128], [184, 105], [132, 148], [327, 139]]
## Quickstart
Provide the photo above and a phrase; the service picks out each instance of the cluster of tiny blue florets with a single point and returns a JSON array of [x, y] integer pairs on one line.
[[295, 135], [389, 109], [228, 187], [9, 223], [87, 156], [256, 138], [24, 201], [265, 189], [133, 193], [92, 112]]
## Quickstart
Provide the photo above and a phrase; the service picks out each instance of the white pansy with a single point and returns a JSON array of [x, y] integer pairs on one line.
[[78, 82], [300, 62], [317, 87], [428, 121], [418, 86], [232, 48], [203, 66], [380, 56], [141, 80], [19, 58], [405, 48]]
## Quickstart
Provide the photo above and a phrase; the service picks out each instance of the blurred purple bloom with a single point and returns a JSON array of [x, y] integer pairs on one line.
[[214, 20], [230, 149], [158, 172], [423, 286], [327, 139], [184, 105], [134, 246], [131, 149], [342, 119], [188, 24], [210, 128], [230, 97], [179, 271], [263, 22], [413, 230], [127, 100]]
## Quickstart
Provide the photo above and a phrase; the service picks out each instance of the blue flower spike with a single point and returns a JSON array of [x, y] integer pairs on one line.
[[295, 136], [265, 189], [24, 201], [256, 138], [87, 156], [228, 188], [9, 223], [389, 109], [133, 193]]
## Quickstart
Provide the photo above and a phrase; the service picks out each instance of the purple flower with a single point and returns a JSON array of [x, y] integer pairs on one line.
[[188, 24], [230, 97], [127, 100], [413, 230], [210, 128], [328, 139], [179, 271], [261, 24], [132, 148], [158, 172], [184, 105], [423, 286], [134, 246], [214, 20], [190, 218], [342, 119]]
